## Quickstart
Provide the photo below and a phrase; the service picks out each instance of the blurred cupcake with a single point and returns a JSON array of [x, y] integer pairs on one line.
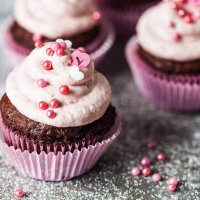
[[56, 114], [77, 21], [165, 56], [124, 13]]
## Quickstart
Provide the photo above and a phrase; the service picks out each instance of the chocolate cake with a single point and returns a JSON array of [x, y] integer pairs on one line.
[[24, 37], [170, 66], [46, 134]]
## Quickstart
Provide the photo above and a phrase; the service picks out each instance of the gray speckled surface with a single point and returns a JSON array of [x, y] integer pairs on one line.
[[178, 134]]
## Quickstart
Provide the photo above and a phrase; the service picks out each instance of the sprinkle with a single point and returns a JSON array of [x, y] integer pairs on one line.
[[135, 171], [171, 188], [47, 65], [146, 171], [80, 59], [19, 193], [161, 156], [64, 89], [43, 105], [156, 178], [96, 15], [55, 46], [41, 83], [50, 52], [54, 103], [60, 52], [176, 37], [39, 44], [151, 144], [51, 114], [145, 161], [173, 180]]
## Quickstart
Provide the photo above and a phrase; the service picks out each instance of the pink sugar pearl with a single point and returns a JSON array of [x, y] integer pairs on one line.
[[146, 171], [156, 178], [19, 193], [42, 83], [145, 161], [151, 144], [171, 188], [161, 156], [55, 46], [135, 171], [63, 45], [176, 37], [173, 180]]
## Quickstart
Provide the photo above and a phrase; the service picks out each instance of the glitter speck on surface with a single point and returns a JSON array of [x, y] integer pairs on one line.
[[176, 133]]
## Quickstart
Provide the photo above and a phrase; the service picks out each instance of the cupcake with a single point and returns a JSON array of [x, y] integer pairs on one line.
[[56, 114], [77, 21], [165, 55], [124, 13]]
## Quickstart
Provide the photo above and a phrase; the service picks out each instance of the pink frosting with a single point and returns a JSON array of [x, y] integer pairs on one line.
[[89, 91], [55, 18], [162, 32]]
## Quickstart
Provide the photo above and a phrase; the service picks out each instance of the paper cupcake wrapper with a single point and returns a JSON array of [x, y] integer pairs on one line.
[[124, 21], [97, 48], [178, 92], [56, 166]]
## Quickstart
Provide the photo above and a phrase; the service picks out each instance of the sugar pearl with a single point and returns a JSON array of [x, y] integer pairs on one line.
[[60, 52], [50, 52], [146, 171], [151, 144], [39, 44], [41, 83], [64, 89], [55, 46], [51, 114], [173, 180], [161, 156], [47, 65], [43, 105], [19, 193], [156, 178], [54, 103], [135, 171], [145, 161], [171, 188]]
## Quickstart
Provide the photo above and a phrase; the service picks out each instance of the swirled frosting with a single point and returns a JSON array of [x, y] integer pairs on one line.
[[89, 91], [164, 33], [55, 18]]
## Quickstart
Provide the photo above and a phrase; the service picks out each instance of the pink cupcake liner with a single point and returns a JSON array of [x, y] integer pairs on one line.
[[124, 21], [56, 166], [178, 92], [97, 48]]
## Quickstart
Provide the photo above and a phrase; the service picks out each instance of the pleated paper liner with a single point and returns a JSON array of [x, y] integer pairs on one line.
[[97, 48], [177, 92], [56, 165]]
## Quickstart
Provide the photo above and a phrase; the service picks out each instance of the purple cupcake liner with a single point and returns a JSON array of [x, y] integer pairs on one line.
[[56, 166], [97, 48], [125, 20], [178, 92]]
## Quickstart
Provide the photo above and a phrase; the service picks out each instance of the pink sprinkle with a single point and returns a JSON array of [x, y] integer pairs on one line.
[[171, 188], [42, 83], [63, 45], [176, 37], [145, 161], [161, 156], [19, 193], [96, 15], [146, 171], [172, 24], [151, 144], [55, 46], [135, 171], [156, 178], [82, 49], [172, 180]]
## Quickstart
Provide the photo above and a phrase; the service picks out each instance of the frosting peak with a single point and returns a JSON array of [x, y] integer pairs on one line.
[[55, 18], [67, 80], [171, 30]]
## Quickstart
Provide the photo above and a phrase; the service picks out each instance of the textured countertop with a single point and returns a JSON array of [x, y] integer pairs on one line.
[[178, 134]]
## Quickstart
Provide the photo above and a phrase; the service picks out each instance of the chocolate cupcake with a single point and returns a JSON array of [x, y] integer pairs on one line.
[[165, 56], [79, 22], [57, 109], [124, 14]]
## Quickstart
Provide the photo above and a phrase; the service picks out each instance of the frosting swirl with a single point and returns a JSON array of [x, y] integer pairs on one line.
[[55, 18], [89, 91], [164, 33]]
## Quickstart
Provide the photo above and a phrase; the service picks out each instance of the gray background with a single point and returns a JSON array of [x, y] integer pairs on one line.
[[178, 134]]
